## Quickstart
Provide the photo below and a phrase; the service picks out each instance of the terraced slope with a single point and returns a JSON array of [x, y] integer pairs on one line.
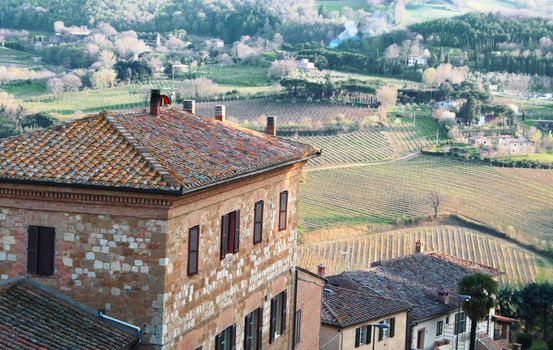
[[358, 252], [516, 201]]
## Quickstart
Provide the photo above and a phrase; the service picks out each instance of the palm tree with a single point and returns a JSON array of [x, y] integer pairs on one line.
[[482, 289], [508, 301]]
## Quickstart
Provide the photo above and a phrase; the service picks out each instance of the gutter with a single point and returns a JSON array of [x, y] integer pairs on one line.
[[138, 330]]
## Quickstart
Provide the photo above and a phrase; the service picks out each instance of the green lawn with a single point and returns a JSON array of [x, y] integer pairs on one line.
[[539, 157], [337, 5], [25, 88], [237, 75]]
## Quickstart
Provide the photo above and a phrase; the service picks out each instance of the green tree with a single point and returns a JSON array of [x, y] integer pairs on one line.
[[508, 301], [483, 290], [470, 110]]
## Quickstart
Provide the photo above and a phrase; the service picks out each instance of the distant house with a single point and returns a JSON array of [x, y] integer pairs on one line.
[[507, 145], [305, 65], [418, 61], [348, 320], [479, 141], [448, 105], [428, 281]]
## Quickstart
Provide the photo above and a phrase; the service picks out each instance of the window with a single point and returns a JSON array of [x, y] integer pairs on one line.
[[40, 250], [193, 245], [278, 316], [230, 233], [258, 222], [363, 335], [253, 330], [439, 328], [226, 340], [387, 332], [297, 328], [283, 211], [460, 323], [447, 320]]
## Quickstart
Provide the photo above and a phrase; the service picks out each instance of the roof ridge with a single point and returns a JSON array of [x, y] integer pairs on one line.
[[148, 158], [437, 254]]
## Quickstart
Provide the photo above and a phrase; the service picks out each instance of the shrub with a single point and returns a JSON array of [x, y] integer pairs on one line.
[[525, 339]]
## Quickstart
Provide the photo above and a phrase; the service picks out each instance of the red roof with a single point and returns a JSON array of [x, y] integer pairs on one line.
[[177, 152]]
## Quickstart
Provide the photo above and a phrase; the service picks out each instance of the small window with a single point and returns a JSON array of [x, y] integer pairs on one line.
[[297, 328], [447, 320], [389, 332], [40, 250], [193, 245], [283, 211], [362, 335], [230, 233], [258, 222], [460, 323], [439, 328], [253, 330], [226, 340], [278, 316]]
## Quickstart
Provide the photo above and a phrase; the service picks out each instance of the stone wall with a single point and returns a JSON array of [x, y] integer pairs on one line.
[[105, 261], [225, 291]]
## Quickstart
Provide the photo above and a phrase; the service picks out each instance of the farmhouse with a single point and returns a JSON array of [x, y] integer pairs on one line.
[[179, 224], [428, 281], [479, 141], [507, 145], [417, 61], [350, 319]]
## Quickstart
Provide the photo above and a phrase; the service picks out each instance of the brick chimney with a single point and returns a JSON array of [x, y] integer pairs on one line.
[[155, 103], [419, 246], [221, 113], [321, 270], [189, 106], [443, 296], [271, 126]]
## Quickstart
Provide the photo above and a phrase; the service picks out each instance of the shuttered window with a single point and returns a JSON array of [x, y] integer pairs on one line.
[[230, 233], [283, 211], [362, 335], [278, 316], [258, 222], [460, 323], [40, 250], [226, 340], [193, 249], [253, 330], [439, 328]]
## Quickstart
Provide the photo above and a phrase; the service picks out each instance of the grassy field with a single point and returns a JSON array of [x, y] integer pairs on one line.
[[361, 248], [337, 5], [516, 201], [539, 157], [237, 75]]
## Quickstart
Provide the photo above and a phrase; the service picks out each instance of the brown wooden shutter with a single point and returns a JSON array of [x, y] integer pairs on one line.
[[32, 249], [224, 235], [233, 337], [259, 328], [283, 211], [272, 323], [236, 231], [258, 222], [46, 250], [283, 315], [193, 245]]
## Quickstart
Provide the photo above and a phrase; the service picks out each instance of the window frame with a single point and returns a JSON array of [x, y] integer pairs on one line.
[[278, 316], [258, 222], [283, 211], [221, 338], [230, 233], [193, 230], [460, 325], [439, 328], [253, 322], [41, 250]]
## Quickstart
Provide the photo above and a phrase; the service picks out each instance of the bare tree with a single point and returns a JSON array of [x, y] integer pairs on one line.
[[435, 201]]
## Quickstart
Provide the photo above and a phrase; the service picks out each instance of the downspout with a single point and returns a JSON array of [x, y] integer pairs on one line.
[[295, 272], [137, 329]]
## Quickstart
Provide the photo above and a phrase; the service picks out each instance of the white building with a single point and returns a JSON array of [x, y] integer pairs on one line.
[[419, 61]]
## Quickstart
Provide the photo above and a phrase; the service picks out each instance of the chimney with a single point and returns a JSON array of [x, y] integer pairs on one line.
[[221, 113], [419, 246], [155, 103], [271, 126], [321, 270], [189, 106], [443, 296]]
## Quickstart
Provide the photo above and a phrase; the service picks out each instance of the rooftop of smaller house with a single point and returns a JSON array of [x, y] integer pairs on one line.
[[342, 307], [34, 317], [416, 279]]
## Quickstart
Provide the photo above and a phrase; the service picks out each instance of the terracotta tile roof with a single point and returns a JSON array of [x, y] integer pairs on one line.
[[32, 317], [174, 152], [345, 307], [416, 279]]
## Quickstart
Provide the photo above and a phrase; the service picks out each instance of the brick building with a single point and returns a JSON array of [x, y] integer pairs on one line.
[[179, 224]]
